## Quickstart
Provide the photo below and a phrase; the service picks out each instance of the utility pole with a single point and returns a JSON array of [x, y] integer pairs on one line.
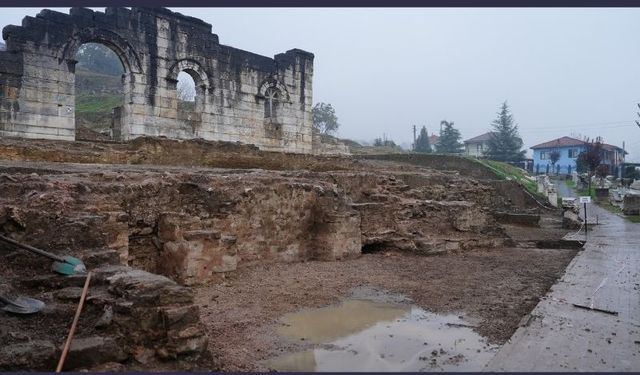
[[621, 174], [414, 138]]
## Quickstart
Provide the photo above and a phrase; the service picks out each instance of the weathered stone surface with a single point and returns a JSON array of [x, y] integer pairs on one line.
[[571, 220], [206, 223], [70, 293], [425, 217], [241, 96], [631, 204], [201, 222], [89, 351], [152, 313], [106, 318], [286, 221], [146, 288], [32, 354]]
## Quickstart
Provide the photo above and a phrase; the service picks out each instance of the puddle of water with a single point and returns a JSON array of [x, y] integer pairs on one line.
[[361, 335], [324, 324]]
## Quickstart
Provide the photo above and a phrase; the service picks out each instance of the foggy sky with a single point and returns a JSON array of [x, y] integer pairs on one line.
[[563, 71]]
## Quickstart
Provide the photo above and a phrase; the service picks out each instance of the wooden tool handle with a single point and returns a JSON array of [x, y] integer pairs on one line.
[[72, 331], [32, 249]]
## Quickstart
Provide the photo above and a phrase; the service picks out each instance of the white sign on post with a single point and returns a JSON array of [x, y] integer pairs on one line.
[[586, 199]]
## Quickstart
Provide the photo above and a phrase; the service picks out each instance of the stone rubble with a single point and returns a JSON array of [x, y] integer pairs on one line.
[[149, 233]]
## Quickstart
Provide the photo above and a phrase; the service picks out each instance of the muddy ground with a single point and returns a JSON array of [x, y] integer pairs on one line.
[[110, 205], [496, 287]]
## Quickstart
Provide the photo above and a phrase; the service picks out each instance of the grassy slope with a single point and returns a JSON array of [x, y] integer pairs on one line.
[[509, 172], [102, 103], [96, 96]]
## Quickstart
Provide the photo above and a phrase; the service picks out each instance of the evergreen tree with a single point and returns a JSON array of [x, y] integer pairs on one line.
[[422, 143], [505, 143], [449, 139]]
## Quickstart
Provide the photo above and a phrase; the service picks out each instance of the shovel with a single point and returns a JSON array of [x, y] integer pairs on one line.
[[66, 265], [22, 305]]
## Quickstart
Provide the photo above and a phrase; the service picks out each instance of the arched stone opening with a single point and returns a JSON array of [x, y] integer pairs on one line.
[[189, 87], [37, 73], [119, 121], [99, 93]]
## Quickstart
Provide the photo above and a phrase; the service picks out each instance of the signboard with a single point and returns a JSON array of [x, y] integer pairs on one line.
[[586, 199]]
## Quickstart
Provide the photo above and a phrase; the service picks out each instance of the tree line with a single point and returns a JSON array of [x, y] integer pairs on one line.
[[504, 144]]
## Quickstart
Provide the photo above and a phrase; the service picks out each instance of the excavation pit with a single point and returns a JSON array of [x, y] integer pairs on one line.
[[229, 251]]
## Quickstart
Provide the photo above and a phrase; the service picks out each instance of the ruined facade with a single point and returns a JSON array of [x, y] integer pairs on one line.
[[241, 96]]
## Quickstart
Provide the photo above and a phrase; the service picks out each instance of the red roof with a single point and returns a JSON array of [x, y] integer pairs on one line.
[[433, 139], [568, 142], [481, 138], [560, 142]]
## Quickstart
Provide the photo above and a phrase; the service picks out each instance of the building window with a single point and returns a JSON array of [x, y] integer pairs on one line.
[[573, 153], [272, 96], [544, 155], [479, 147]]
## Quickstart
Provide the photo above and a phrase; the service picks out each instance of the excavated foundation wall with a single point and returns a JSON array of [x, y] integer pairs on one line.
[[193, 225], [187, 226], [128, 226]]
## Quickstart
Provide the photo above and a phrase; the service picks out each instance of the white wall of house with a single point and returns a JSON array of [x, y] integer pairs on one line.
[[475, 149]]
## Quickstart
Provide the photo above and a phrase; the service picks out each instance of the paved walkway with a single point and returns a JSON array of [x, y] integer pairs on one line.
[[604, 336], [563, 189]]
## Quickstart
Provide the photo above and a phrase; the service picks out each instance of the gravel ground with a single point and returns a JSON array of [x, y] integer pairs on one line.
[[494, 287]]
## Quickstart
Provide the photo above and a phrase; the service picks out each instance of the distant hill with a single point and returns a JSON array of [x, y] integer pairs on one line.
[[98, 88]]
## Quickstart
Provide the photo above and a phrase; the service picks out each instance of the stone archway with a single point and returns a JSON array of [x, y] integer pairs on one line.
[[203, 83], [120, 117], [37, 72]]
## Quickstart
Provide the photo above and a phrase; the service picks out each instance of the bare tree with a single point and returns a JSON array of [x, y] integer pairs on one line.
[[589, 159], [554, 156], [186, 91]]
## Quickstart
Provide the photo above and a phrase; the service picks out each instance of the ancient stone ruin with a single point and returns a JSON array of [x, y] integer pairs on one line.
[[241, 96], [175, 219]]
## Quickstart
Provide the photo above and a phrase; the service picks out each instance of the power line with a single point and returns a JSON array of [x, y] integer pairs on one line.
[[592, 124], [575, 127]]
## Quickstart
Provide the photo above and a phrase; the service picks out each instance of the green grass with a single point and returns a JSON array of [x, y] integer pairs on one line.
[[509, 172], [97, 104]]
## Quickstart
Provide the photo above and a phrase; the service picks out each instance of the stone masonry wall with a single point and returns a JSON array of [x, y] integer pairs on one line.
[[37, 75]]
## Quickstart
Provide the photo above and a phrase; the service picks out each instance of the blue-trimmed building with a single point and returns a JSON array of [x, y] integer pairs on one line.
[[569, 149]]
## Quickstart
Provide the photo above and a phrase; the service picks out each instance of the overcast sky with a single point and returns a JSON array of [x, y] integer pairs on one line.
[[562, 71]]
